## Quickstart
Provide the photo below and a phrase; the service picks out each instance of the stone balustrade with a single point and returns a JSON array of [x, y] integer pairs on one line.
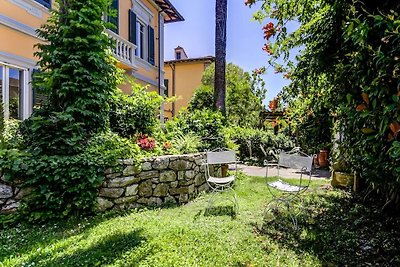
[[172, 179]]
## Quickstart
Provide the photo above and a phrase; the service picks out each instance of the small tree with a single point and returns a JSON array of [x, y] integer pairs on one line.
[[244, 95], [77, 73]]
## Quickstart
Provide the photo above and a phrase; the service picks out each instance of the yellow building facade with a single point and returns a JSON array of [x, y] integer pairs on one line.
[[182, 77], [138, 36]]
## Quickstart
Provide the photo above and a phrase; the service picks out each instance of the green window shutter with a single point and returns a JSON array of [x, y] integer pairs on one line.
[[114, 20], [132, 27], [151, 47]]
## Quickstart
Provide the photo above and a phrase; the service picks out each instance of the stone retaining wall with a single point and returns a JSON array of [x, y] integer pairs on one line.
[[159, 180]]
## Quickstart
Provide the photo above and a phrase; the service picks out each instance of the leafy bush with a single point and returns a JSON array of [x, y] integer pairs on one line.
[[135, 113], [108, 147], [186, 143], [12, 135], [249, 142], [205, 123], [79, 76]]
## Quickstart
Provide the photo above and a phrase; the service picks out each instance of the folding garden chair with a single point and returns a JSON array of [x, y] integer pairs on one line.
[[217, 163], [287, 194]]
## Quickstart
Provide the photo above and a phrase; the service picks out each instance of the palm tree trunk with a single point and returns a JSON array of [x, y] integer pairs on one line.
[[220, 54]]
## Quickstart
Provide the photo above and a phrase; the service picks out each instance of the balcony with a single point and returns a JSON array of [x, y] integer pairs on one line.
[[124, 51]]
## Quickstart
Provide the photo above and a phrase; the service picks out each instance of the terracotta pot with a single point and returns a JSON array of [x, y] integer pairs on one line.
[[323, 158]]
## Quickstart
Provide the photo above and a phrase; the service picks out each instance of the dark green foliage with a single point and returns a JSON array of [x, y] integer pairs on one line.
[[135, 113], [63, 160], [249, 143], [355, 47], [78, 75]]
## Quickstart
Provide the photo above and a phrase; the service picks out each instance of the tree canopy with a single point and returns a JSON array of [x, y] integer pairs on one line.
[[245, 94], [354, 46]]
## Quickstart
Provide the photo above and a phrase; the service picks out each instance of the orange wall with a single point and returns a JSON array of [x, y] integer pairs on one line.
[[14, 41], [21, 44], [187, 80]]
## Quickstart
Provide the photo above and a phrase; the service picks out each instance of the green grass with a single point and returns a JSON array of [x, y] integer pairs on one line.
[[185, 236]]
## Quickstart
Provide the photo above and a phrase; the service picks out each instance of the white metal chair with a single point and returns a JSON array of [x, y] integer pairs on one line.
[[285, 194], [215, 163]]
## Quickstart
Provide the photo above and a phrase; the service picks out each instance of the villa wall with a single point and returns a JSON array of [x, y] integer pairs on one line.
[[171, 179]]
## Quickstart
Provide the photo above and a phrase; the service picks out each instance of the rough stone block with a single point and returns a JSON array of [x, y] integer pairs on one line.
[[146, 189], [146, 166], [199, 179], [132, 190], [125, 200], [181, 175], [185, 182], [111, 192], [203, 188], [174, 184], [169, 200], [128, 161], [183, 198], [161, 163], [103, 204], [155, 201], [161, 190], [10, 207], [6, 191], [148, 175], [131, 170], [113, 175], [123, 181], [143, 200], [180, 165], [167, 176], [26, 191], [189, 174]]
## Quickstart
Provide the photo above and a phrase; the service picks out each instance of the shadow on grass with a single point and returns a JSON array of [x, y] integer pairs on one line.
[[106, 251], [340, 231], [227, 210], [23, 238]]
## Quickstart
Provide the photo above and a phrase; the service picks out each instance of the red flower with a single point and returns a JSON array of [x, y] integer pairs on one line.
[[249, 2], [267, 49], [269, 30], [145, 142]]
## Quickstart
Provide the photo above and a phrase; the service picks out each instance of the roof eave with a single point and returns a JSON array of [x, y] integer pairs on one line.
[[172, 15]]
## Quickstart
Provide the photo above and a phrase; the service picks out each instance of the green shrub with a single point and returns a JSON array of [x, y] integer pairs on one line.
[[249, 142], [186, 143], [11, 135], [205, 123], [135, 113]]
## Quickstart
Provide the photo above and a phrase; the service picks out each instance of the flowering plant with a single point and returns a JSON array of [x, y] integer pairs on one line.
[[145, 142]]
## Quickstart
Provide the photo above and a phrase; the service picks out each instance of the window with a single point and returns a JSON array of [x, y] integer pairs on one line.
[[114, 20], [178, 55], [12, 86], [142, 35], [140, 38], [46, 3], [166, 83]]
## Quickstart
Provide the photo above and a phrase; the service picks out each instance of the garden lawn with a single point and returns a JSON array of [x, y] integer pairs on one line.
[[185, 236]]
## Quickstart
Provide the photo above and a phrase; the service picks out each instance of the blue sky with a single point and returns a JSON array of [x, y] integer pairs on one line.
[[244, 37]]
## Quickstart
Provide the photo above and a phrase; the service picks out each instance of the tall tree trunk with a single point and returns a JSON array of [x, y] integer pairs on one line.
[[220, 54]]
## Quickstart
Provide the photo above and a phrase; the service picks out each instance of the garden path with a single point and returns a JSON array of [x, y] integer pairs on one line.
[[284, 172]]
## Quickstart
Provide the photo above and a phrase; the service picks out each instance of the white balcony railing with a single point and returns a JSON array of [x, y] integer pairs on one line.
[[124, 50]]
